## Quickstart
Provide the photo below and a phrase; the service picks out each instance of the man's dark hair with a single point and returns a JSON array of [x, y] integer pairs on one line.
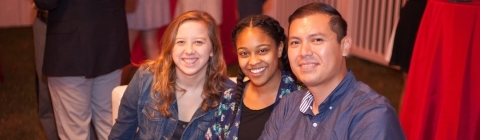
[[337, 23]]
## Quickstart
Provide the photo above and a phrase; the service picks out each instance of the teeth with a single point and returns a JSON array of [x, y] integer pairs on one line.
[[307, 65], [257, 70], [189, 60]]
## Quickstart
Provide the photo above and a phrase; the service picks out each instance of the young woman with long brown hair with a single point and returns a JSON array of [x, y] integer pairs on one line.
[[175, 96]]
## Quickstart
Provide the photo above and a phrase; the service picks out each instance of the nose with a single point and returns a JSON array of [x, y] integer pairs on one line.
[[253, 60], [305, 50], [189, 49]]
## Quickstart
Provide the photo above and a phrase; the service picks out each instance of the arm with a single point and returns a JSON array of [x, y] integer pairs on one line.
[[46, 4], [379, 123], [127, 121]]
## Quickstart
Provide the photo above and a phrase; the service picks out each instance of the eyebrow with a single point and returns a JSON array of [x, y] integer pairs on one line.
[[309, 36], [258, 46], [316, 34], [293, 38], [193, 38], [202, 38], [261, 45]]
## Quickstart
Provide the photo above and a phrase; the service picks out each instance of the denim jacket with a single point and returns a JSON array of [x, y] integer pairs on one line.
[[137, 109]]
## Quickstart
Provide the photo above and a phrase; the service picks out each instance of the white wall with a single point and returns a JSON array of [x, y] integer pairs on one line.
[[371, 24]]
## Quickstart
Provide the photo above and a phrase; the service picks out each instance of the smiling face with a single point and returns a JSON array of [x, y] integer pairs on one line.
[[258, 55], [316, 57], [192, 48]]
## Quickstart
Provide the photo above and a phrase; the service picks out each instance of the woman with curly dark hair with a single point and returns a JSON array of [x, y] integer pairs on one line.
[[260, 45]]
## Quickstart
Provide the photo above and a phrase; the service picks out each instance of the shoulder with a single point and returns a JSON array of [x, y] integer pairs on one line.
[[372, 112], [141, 81], [227, 96], [229, 84], [292, 100], [295, 95], [367, 101], [366, 95], [228, 90], [288, 79], [287, 84], [144, 71]]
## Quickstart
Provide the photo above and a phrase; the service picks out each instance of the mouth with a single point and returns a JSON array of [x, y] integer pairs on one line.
[[258, 70], [189, 60], [307, 65]]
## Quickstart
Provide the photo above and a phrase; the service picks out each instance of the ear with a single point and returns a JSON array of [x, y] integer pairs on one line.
[[346, 43], [211, 52], [280, 49]]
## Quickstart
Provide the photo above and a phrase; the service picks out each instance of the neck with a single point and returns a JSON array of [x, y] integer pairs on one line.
[[190, 82], [260, 96], [321, 91]]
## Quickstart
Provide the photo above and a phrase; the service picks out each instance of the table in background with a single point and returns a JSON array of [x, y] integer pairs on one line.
[[442, 97]]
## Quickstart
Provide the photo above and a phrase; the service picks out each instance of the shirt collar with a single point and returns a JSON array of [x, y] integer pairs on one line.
[[333, 99]]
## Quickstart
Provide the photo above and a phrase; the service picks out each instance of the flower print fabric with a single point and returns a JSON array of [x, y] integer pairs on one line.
[[220, 127]]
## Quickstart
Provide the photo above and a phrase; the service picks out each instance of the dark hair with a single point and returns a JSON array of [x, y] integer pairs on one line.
[[337, 23], [272, 28]]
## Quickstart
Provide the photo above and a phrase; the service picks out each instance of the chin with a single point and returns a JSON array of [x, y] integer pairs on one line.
[[308, 81], [189, 71], [258, 82]]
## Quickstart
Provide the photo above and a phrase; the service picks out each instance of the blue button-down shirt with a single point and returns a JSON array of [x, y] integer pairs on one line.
[[352, 111], [138, 109]]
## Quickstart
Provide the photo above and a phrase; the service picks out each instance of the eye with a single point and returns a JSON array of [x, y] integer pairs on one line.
[[263, 51], [242, 54], [317, 40], [293, 43], [198, 42], [180, 42]]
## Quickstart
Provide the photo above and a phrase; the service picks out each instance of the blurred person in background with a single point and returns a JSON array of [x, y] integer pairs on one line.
[[405, 35], [45, 108], [86, 47]]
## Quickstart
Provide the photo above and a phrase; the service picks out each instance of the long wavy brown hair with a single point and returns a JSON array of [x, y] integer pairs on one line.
[[163, 68]]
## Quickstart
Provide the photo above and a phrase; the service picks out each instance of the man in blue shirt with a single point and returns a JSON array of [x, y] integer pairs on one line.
[[334, 104]]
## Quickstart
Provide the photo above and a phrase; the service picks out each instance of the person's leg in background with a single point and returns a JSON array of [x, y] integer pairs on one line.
[[101, 102], [129, 70], [150, 46], [404, 39], [71, 98], [45, 109], [149, 40], [150, 43], [132, 37]]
